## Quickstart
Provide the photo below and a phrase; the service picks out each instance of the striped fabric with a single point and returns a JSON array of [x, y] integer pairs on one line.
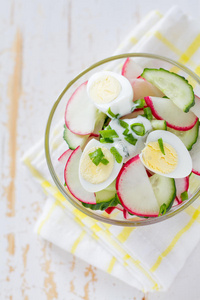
[[147, 258]]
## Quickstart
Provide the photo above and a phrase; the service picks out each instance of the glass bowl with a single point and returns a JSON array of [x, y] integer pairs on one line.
[[55, 145]]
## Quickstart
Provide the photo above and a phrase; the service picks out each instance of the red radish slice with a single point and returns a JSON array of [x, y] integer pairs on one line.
[[165, 109], [134, 114], [182, 185], [176, 202], [195, 155], [71, 175], [131, 70], [109, 210], [65, 156], [80, 113], [135, 191], [142, 88], [196, 108]]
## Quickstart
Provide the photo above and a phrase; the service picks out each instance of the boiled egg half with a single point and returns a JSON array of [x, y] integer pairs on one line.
[[109, 90], [94, 178], [171, 159]]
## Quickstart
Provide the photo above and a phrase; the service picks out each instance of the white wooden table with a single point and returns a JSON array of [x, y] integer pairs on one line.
[[43, 44]]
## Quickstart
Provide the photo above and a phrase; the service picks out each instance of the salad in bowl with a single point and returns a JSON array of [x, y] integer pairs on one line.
[[122, 140]]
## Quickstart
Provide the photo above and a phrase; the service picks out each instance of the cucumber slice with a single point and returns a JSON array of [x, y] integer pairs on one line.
[[188, 137], [164, 189], [174, 86], [74, 140], [159, 124], [106, 194]]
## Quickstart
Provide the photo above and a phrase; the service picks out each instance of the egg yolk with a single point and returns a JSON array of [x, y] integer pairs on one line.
[[155, 160], [105, 89], [96, 174]]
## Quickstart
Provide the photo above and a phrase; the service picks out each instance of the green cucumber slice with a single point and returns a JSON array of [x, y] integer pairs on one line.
[[106, 194], [74, 140], [174, 86], [164, 189], [159, 124], [188, 137]]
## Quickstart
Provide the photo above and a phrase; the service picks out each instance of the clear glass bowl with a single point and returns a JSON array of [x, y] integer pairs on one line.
[[54, 132]]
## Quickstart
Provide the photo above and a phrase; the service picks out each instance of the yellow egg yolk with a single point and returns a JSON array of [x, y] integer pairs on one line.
[[155, 160], [105, 89], [96, 174]]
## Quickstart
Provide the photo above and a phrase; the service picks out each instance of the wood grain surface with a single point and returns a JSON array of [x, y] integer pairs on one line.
[[43, 44]]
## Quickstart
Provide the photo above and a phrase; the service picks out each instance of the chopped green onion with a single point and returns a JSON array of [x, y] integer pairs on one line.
[[184, 196], [163, 209], [116, 154], [106, 122], [106, 140], [148, 113], [104, 161], [108, 133], [112, 114], [138, 128], [130, 139], [65, 184], [97, 157], [140, 103], [123, 123], [126, 131], [160, 143]]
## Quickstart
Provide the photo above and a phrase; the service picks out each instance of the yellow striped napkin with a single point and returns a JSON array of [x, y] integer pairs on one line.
[[148, 258]]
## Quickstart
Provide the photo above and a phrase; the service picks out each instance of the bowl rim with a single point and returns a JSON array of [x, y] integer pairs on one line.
[[125, 222]]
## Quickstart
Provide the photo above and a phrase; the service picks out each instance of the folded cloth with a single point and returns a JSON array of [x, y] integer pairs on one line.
[[148, 258]]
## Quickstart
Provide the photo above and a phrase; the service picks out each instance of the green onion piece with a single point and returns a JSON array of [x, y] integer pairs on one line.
[[160, 143], [148, 113], [138, 128], [184, 196], [97, 156], [104, 161], [106, 122], [108, 133], [140, 103], [130, 139], [65, 184], [116, 154], [126, 131], [123, 123], [112, 114], [107, 127], [163, 209], [106, 140]]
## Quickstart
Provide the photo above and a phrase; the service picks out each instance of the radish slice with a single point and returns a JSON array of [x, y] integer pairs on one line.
[[195, 155], [109, 210], [72, 179], [131, 70], [182, 185], [134, 114], [176, 202], [136, 194], [80, 113], [65, 156], [142, 88], [196, 108], [165, 109]]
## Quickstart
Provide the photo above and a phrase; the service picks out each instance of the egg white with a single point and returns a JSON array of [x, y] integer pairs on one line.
[[184, 165], [90, 187], [123, 103]]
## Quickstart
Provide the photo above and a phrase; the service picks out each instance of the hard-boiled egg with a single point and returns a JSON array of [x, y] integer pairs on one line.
[[94, 178], [110, 90], [165, 154]]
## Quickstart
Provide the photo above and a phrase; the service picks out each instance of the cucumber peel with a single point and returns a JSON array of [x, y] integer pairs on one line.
[[174, 86]]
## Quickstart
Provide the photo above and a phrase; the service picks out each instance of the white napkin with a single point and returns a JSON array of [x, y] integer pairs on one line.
[[148, 258]]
